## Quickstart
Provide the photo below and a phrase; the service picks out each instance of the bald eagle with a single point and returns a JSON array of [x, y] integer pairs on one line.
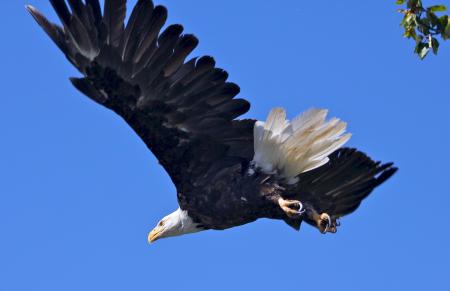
[[227, 171]]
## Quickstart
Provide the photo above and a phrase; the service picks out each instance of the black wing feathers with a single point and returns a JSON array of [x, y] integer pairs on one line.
[[62, 11], [113, 20], [183, 110], [53, 31], [339, 187], [77, 7], [94, 7], [134, 33], [148, 43], [86, 87]]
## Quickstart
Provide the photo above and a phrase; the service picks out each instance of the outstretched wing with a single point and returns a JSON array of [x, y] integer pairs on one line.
[[184, 111], [339, 187]]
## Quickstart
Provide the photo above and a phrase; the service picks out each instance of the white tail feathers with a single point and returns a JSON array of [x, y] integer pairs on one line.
[[292, 148]]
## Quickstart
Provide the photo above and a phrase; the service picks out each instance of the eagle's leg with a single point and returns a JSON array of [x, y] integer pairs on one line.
[[292, 208], [324, 222]]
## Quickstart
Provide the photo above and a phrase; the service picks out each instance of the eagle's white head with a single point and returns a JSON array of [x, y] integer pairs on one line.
[[174, 224]]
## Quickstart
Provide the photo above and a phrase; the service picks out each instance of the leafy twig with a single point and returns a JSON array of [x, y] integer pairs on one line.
[[424, 26]]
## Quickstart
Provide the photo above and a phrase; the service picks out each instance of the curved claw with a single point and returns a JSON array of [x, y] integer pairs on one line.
[[292, 208], [328, 224], [301, 210]]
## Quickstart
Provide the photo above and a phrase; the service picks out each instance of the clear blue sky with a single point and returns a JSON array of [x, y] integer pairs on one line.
[[79, 191]]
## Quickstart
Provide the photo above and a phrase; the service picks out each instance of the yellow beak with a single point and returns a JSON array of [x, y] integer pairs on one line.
[[154, 235]]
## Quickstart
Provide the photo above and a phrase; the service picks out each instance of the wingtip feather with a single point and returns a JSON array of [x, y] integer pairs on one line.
[[33, 11], [29, 8]]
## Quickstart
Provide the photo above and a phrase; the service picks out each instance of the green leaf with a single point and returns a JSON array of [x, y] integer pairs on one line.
[[443, 21], [424, 22], [400, 2], [416, 4], [410, 33], [433, 19], [446, 33], [437, 8], [409, 20], [422, 50], [435, 45], [423, 29]]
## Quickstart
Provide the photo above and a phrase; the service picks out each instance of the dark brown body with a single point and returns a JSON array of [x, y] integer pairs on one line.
[[237, 196], [233, 198]]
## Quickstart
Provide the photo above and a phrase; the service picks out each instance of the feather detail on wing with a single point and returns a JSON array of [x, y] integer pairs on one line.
[[184, 110], [339, 187], [292, 148]]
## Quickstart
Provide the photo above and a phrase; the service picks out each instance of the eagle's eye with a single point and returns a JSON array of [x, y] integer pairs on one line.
[[161, 223]]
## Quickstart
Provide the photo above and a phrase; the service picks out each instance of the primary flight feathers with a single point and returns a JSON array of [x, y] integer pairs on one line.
[[227, 172]]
